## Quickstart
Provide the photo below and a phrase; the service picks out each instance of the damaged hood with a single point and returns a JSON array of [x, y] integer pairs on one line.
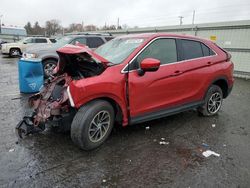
[[77, 50]]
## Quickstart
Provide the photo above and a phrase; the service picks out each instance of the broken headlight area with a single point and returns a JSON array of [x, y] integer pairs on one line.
[[52, 104]]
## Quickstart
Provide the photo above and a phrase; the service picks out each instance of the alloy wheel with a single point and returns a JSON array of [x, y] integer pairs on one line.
[[99, 126], [48, 68], [214, 103]]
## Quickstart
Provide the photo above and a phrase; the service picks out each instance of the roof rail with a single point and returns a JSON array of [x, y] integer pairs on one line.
[[89, 33]]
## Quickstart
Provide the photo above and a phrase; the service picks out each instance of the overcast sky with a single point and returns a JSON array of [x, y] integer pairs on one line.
[[131, 12]]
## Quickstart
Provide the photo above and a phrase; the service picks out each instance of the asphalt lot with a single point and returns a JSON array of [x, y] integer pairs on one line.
[[132, 156]]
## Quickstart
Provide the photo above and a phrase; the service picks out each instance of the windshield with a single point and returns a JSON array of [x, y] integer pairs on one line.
[[26, 40], [116, 50], [62, 41]]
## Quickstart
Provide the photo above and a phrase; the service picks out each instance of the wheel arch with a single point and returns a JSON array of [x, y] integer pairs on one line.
[[222, 83], [18, 48], [49, 58], [117, 106]]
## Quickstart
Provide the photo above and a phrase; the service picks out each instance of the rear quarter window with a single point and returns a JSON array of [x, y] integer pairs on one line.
[[206, 50]]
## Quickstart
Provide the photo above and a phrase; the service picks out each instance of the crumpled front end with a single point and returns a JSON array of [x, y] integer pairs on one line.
[[54, 104], [52, 101]]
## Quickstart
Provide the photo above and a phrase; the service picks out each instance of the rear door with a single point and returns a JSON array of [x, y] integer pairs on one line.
[[158, 90], [194, 69]]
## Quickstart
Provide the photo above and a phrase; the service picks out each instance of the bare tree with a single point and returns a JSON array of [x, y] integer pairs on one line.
[[52, 27], [37, 29], [29, 28], [90, 28]]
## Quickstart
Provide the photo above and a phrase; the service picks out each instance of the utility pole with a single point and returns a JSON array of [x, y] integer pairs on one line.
[[82, 27], [181, 17], [118, 23], [193, 17], [1, 24]]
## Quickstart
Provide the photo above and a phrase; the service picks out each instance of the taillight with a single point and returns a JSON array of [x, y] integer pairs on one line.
[[229, 56]]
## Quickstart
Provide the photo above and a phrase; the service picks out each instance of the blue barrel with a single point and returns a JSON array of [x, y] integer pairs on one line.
[[30, 75]]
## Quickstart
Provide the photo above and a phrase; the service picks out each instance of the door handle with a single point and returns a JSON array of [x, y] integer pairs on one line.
[[176, 73], [209, 63]]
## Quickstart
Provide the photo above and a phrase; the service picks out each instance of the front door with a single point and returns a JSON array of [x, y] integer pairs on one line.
[[158, 90]]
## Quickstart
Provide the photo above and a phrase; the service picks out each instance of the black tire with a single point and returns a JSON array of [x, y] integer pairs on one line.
[[214, 92], [14, 52], [82, 124], [48, 66]]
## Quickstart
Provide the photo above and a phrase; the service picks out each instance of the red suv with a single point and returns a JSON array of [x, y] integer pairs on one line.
[[131, 79]]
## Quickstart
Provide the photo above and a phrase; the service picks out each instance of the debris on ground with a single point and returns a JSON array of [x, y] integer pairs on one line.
[[205, 145], [11, 150], [147, 128], [163, 143], [207, 153], [213, 125]]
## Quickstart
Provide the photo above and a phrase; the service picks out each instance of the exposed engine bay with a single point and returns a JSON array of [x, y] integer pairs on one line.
[[52, 104]]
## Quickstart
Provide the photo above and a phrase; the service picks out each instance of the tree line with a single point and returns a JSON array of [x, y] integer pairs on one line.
[[54, 27]]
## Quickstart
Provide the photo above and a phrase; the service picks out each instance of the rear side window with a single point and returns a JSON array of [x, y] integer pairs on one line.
[[191, 49], [94, 42], [38, 40]]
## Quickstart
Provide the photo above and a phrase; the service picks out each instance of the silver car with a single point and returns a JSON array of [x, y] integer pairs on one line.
[[47, 52]]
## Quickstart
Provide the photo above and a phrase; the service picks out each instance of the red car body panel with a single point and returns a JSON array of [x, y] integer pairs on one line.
[[174, 84]]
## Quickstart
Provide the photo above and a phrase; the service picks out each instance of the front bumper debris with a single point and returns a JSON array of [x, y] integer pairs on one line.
[[26, 127]]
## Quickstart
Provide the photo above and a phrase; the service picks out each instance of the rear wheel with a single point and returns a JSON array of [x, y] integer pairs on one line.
[[48, 67], [92, 124], [15, 52], [213, 101]]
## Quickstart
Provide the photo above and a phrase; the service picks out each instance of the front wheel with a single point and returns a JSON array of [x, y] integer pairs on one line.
[[14, 52], [92, 124], [213, 101]]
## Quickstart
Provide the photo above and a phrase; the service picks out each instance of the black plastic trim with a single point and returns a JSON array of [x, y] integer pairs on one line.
[[165, 112]]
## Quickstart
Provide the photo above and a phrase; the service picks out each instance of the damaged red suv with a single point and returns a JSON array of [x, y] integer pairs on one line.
[[129, 80]]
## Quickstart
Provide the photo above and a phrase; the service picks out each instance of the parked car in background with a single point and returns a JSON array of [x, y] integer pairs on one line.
[[17, 48], [2, 42], [47, 53], [132, 79]]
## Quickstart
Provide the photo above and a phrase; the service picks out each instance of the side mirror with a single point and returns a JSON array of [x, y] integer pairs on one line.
[[149, 65]]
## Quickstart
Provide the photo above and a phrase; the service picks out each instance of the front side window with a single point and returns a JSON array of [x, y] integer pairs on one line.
[[191, 49], [28, 40], [161, 49]]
